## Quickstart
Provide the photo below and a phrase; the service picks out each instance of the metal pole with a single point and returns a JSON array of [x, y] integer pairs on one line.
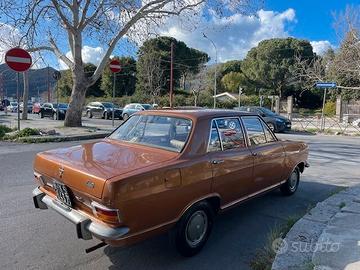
[[239, 96], [113, 100], [215, 84], [171, 74], [18, 100], [322, 112], [57, 100]]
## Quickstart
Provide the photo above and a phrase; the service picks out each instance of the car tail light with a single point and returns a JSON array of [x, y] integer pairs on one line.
[[106, 214], [39, 178]]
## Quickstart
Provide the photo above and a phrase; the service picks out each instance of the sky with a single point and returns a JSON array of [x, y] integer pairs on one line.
[[235, 35]]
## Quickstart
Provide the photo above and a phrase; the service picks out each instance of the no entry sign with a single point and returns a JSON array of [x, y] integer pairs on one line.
[[18, 59], [115, 66]]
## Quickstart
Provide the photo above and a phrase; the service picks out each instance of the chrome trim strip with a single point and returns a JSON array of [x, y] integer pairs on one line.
[[85, 226], [251, 195]]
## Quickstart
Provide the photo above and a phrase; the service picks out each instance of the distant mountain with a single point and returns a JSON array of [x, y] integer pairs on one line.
[[38, 81]]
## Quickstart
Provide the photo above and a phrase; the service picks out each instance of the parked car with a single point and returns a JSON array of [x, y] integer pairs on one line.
[[36, 107], [53, 110], [164, 170], [131, 108], [29, 107], [103, 110], [12, 107], [276, 122]]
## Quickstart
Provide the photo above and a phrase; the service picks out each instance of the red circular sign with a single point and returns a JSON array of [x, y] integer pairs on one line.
[[18, 59], [115, 66]]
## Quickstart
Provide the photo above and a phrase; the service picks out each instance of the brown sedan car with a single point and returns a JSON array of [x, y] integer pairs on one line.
[[164, 170]]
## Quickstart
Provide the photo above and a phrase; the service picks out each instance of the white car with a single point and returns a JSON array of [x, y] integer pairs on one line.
[[12, 107]]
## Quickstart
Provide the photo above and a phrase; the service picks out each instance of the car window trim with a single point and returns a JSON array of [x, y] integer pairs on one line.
[[217, 129]]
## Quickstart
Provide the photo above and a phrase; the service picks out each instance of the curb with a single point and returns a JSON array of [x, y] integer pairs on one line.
[[300, 248], [59, 138]]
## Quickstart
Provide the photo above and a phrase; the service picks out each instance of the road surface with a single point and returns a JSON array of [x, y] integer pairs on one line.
[[35, 239]]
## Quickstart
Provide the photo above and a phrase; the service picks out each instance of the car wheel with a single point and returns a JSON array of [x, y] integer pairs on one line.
[[271, 126], [292, 183], [41, 115], [89, 114], [125, 116], [193, 229]]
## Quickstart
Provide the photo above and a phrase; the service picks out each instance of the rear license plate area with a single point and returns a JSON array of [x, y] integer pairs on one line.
[[62, 193]]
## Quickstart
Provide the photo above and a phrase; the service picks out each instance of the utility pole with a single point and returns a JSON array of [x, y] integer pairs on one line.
[[48, 84], [215, 75], [171, 74]]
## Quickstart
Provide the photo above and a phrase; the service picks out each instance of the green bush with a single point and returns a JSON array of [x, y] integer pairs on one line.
[[3, 130], [330, 108]]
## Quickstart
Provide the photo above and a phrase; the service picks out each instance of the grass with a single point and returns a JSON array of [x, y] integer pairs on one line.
[[265, 256], [26, 132], [3, 130]]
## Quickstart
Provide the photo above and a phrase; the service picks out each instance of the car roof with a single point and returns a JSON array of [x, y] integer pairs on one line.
[[198, 113]]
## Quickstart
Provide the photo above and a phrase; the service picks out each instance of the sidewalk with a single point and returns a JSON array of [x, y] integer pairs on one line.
[[326, 238]]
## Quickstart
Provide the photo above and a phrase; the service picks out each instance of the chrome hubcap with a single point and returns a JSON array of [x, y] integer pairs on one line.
[[196, 228], [293, 180]]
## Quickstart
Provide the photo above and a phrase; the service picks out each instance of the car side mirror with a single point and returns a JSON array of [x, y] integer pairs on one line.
[[263, 115]]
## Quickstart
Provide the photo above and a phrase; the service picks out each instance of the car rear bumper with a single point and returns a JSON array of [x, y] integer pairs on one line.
[[85, 227]]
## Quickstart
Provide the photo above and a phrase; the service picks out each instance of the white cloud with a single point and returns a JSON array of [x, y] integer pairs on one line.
[[89, 54], [233, 35], [321, 47]]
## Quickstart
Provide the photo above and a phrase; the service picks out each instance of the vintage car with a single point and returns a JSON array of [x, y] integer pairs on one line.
[[166, 170]]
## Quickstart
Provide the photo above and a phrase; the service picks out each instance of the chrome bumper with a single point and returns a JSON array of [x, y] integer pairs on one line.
[[85, 227]]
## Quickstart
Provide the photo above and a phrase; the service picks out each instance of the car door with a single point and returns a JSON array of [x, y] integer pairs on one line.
[[269, 163], [46, 108], [231, 160]]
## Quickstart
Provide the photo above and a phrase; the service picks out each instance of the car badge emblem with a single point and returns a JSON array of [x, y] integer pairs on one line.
[[90, 184], [61, 171]]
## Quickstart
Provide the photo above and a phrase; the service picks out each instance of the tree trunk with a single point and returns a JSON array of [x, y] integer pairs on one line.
[[24, 115], [77, 100]]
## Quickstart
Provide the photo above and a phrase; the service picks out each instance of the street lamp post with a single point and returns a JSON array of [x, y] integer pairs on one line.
[[212, 42]]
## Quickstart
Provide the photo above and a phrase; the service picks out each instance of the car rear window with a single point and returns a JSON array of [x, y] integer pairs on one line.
[[170, 133]]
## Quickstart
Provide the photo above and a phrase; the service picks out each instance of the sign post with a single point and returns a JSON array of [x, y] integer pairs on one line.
[[325, 86], [115, 67], [240, 92], [18, 60], [57, 77]]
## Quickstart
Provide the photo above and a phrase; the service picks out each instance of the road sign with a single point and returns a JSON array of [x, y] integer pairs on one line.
[[18, 59], [115, 66], [325, 85]]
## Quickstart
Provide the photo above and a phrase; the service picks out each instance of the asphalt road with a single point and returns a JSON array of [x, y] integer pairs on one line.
[[35, 239]]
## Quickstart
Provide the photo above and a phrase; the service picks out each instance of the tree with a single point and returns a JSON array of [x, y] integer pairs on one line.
[[232, 81], [125, 79], [186, 61], [271, 65], [151, 76], [58, 24]]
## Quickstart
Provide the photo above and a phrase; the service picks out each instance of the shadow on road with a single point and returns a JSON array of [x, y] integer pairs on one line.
[[236, 235]]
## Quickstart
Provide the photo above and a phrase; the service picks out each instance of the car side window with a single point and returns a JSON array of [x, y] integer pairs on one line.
[[268, 135], [214, 140], [231, 134], [254, 130]]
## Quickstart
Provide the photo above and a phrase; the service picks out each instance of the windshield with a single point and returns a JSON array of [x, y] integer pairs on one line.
[[146, 106], [170, 133], [107, 104], [268, 112], [61, 105]]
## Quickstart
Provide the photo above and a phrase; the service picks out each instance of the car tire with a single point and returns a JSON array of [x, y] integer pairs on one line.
[[193, 229], [292, 183], [89, 114], [271, 126], [41, 115], [125, 116]]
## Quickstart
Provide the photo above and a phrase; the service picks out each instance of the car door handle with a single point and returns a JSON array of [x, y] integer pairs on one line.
[[217, 161]]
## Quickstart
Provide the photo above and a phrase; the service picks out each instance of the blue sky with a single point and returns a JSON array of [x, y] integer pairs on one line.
[[314, 17], [235, 35]]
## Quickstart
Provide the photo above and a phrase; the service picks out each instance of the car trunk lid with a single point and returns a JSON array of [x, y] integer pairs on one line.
[[87, 167]]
